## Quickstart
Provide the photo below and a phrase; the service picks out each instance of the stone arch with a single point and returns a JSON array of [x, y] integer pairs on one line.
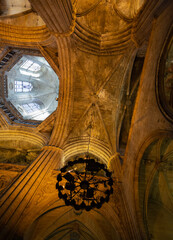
[[61, 221], [20, 146], [164, 77], [80, 145], [154, 156]]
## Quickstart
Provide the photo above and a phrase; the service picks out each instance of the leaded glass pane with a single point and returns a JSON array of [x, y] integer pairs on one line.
[[34, 67], [21, 86], [27, 64], [31, 107]]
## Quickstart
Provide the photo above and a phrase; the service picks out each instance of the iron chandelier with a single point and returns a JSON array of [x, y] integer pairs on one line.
[[84, 183]]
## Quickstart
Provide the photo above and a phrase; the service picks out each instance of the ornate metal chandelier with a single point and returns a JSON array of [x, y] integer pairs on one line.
[[84, 183]]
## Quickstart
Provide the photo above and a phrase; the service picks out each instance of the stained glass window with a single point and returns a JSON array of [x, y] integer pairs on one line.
[[21, 86]]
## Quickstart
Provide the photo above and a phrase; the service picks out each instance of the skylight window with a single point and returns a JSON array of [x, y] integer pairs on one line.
[[21, 86], [29, 89], [31, 107], [31, 66]]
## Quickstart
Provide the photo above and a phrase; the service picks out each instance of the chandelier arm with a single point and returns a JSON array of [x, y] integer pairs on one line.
[[78, 185], [85, 172], [76, 193], [100, 181], [93, 175], [70, 195], [79, 177], [101, 191]]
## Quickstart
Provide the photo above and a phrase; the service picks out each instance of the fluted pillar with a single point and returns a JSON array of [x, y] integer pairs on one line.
[[59, 15], [17, 199]]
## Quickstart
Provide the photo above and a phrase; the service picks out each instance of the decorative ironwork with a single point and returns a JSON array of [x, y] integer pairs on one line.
[[84, 183]]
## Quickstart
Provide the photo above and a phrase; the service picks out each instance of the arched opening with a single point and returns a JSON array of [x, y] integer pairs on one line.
[[155, 189], [164, 82], [65, 223]]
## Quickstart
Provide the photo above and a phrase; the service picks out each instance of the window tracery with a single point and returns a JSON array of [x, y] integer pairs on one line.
[[31, 107], [31, 66], [22, 86]]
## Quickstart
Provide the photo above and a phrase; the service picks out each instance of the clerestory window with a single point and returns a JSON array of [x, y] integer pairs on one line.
[[31, 66], [31, 107], [21, 86]]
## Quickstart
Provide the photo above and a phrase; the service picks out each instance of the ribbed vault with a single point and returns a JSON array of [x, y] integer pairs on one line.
[[155, 188], [53, 224]]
